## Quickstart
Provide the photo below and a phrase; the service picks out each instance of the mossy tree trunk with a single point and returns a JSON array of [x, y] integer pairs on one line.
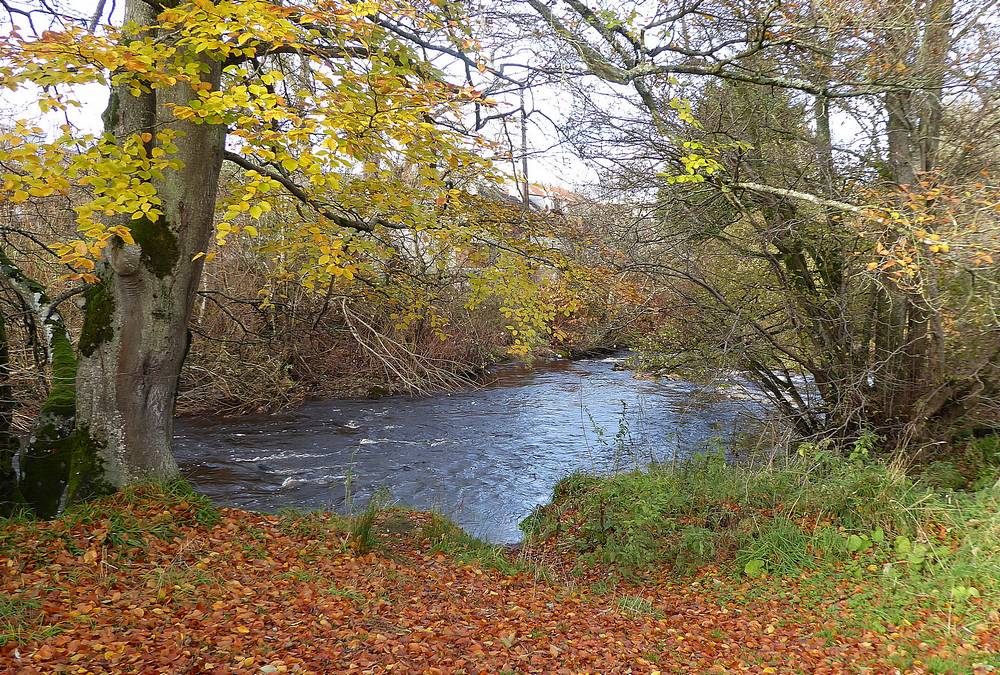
[[48, 453], [10, 493], [134, 337]]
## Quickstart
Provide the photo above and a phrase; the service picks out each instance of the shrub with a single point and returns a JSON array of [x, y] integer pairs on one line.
[[808, 511]]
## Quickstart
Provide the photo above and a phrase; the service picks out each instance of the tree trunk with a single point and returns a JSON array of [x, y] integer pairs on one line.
[[904, 162], [916, 360], [938, 24], [10, 493], [44, 462], [135, 332]]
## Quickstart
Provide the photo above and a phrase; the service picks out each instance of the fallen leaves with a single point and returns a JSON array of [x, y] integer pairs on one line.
[[256, 594]]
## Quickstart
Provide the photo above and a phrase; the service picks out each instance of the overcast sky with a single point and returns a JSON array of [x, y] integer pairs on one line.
[[549, 162]]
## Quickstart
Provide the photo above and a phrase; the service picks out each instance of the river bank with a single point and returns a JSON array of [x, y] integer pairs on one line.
[[233, 398], [158, 579], [483, 456]]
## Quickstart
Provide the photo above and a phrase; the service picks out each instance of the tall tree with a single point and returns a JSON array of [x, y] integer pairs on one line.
[[839, 241], [314, 104]]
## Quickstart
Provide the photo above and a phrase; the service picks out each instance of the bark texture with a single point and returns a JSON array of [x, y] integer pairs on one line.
[[135, 333], [47, 453]]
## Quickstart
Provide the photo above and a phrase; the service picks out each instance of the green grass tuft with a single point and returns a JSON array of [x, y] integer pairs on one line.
[[362, 536], [447, 537], [815, 513]]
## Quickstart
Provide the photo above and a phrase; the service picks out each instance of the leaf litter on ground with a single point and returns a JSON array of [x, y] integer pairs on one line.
[[139, 584]]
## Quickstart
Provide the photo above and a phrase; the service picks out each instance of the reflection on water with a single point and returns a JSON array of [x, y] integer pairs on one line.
[[484, 457]]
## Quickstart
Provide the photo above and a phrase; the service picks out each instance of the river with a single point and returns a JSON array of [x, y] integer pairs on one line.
[[484, 457]]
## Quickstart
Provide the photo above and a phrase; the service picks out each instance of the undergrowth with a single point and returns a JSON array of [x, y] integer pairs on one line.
[[818, 513], [448, 538], [125, 520]]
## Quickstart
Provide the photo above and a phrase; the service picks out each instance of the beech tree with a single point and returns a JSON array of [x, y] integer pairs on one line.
[[316, 106]]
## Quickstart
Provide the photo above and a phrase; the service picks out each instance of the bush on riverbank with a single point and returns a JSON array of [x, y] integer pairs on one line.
[[817, 512]]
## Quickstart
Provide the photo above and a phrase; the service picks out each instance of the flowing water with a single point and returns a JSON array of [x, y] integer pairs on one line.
[[484, 457]]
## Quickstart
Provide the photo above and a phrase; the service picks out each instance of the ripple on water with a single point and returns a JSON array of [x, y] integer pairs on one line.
[[484, 457]]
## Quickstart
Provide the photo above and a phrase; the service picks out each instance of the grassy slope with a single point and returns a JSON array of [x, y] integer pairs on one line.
[[156, 580], [862, 546]]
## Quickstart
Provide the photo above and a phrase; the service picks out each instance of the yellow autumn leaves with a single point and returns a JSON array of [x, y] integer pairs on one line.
[[105, 179], [342, 128], [931, 225]]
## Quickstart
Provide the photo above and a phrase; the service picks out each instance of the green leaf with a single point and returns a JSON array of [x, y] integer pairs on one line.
[[754, 569], [856, 543], [964, 593]]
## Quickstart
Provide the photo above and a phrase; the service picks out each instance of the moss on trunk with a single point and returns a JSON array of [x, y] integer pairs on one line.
[[158, 244], [61, 401], [11, 498], [98, 317], [44, 471], [86, 476], [10, 493], [48, 455], [45, 460]]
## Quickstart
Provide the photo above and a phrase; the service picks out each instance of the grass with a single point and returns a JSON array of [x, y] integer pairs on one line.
[[818, 515], [310, 524], [350, 594], [357, 532], [16, 617], [779, 544], [636, 605], [362, 536], [448, 538], [22, 620]]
